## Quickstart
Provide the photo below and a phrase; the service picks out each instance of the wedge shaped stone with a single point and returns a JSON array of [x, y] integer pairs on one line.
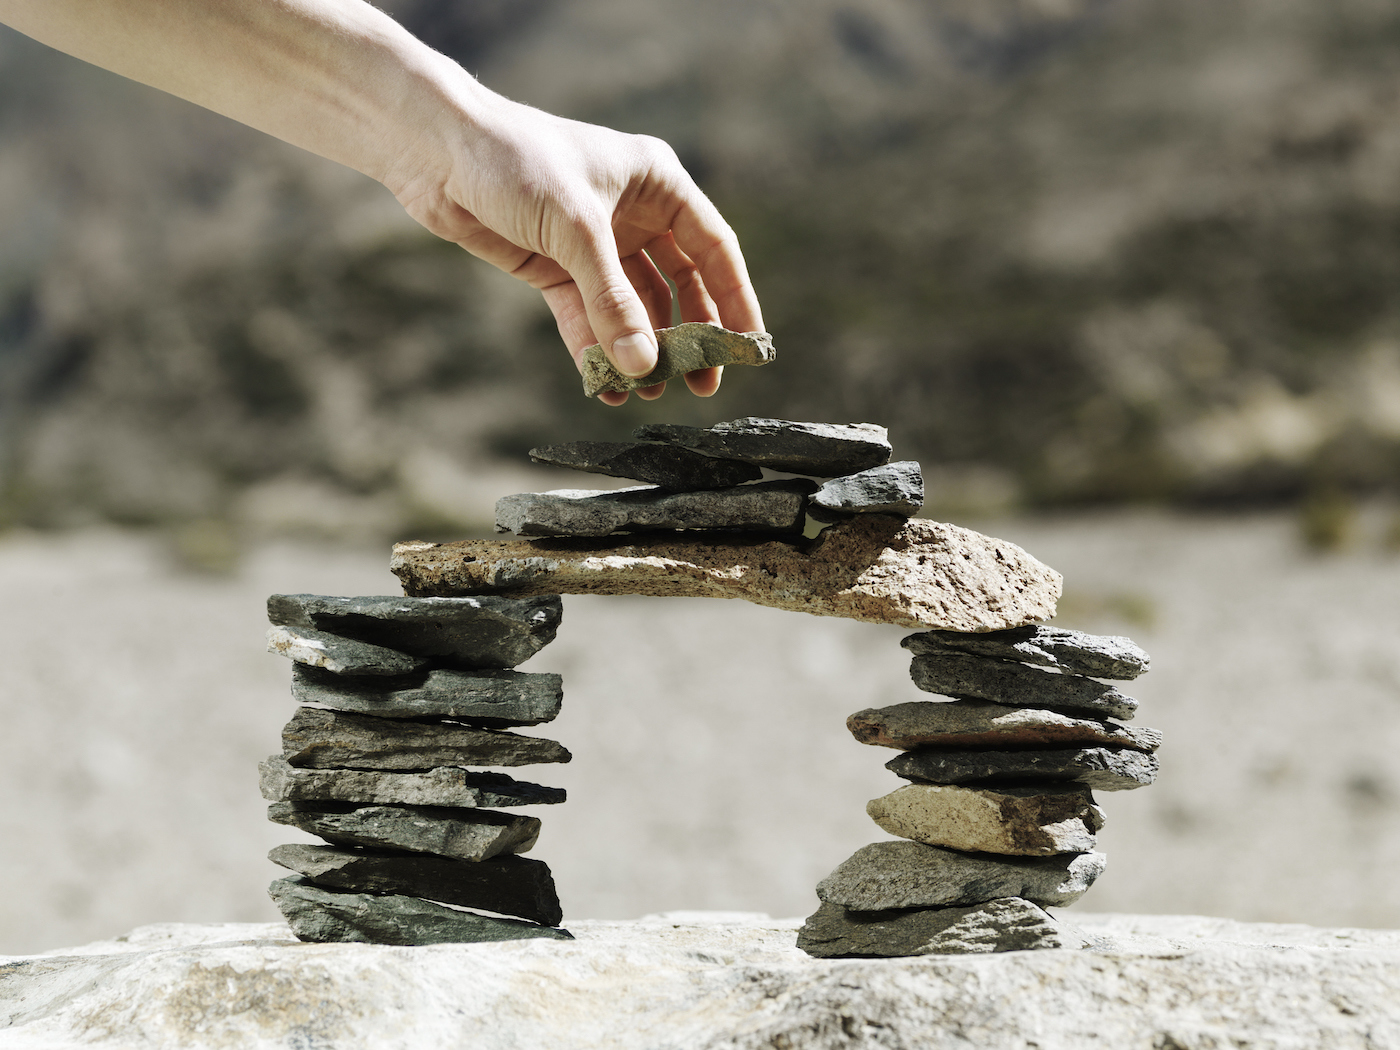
[[1097, 767], [466, 834], [1016, 685], [319, 739], [498, 699], [822, 450], [681, 349], [666, 466], [1007, 924], [874, 567], [338, 655], [895, 488], [1100, 656], [977, 724], [1022, 822], [444, 786], [507, 884], [460, 632], [888, 875], [322, 915]]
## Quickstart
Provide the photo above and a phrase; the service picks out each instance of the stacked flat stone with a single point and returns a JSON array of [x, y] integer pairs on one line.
[[402, 700], [998, 817]]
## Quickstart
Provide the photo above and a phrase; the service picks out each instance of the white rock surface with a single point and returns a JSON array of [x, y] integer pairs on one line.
[[711, 981]]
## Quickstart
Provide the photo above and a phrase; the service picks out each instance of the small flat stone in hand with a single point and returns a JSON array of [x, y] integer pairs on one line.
[[669, 467], [1101, 656], [684, 348], [819, 450]]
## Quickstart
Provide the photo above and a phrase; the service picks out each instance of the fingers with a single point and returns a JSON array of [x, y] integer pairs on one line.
[[703, 235], [615, 311], [691, 293]]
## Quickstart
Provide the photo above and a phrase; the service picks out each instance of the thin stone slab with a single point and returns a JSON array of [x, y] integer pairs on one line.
[[507, 884], [466, 834], [822, 450], [666, 466], [463, 632], [1017, 685], [1020, 822], [887, 875], [338, 655], [498, 699], [322, 915], [1096, 767], [895, 488], [318, 739], [1097, 655], [684, 348], [769, 506], [874, 567], [1007, 924], [977, 724], [445, 786]]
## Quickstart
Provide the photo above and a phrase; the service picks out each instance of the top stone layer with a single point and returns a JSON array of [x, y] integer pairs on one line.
[[823, 450], [1099, 656], [667, 466], [679, 350]]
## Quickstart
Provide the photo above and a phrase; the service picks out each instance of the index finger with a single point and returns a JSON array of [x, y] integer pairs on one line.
[[702, 233]]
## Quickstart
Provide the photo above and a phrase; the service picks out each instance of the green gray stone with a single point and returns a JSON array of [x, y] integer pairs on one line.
[[893, 488], [978, 725], [822, 450], [684, 348], [1007, 924], [1100, 656], [444, 786], [1017, 685], [1097, 767], [497, 699], [338, 655], [466, 834], [666, 466]]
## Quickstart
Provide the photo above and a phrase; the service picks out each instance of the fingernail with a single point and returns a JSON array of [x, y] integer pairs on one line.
[[634, 354]]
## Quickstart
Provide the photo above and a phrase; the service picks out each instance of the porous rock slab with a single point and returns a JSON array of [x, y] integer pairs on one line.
[[1016, 685], [823, 450], [1103, 768], [1008, 924], [1097, 655], [463, 834], [679, 350], [338, 655], [499, 699], [1022, 822], [875, 568], [978, 724], [729, 983], [667, 466], [895, 488], [444, 786]]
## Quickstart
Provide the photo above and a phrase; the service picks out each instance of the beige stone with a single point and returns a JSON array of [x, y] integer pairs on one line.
[[978, 724], [877, 568], [681, 349], [1021, 822]]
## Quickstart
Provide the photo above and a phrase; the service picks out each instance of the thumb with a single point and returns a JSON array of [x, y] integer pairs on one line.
[[615, 311]]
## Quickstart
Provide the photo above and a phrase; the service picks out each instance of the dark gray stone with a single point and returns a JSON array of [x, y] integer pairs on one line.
[[666, 466], [979, 725], [769, 506], [498, 699], [887, 875], [1101, 656], [1098, 767], [684, 348], [1016, 685], [322, 915], [338, 655], [823, 450], [320, 739], [895, 488], [444, 786], [475, 632], [466, 834], [1007, 924], [507, 884]]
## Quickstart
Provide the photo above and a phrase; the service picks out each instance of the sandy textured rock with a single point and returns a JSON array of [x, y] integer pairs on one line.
[[667, 466], [1008, 924], [823, 450], [1016, 685], [338, 740], [1023, 822], [888, 875], [444, 786], [466, 834], [769, 506], [498, 699], [338, 655], [894, 488], [681, 349], [1100, 656], [874, 567], [977, 724], [1096, 767]]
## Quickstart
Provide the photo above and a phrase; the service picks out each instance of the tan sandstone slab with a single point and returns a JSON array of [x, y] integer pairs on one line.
[[1018, 822], [877, 568], [978, 724], [679, 350]]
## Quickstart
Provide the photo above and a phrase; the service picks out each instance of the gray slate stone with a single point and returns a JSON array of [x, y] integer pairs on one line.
[[887, 875], [1096, 767], [1007, 924], [338, 655], [666, 466], [681, 349], [979, 725], [823, 450], [1016, 685], [319, 739], [1100, 656], [466, 834], [475, 632], [895, 488], [322, 915], [497, 699], [444, 786], [769, 506], [507, 884]]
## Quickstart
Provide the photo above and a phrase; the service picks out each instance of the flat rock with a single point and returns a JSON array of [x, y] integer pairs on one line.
[[681, 349], [1022, 822], [338, 655], [1097, 767], [465, 632], [874, 567], [894, 488], [1007, 924], [888, 875], [823, 450], [444, 786], [466, 834], [670, 467], [507, 884], [498, 699], [769, 506], [321, 915], [1100, 656], [319, 739], [977, 724], [1016, 685]]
